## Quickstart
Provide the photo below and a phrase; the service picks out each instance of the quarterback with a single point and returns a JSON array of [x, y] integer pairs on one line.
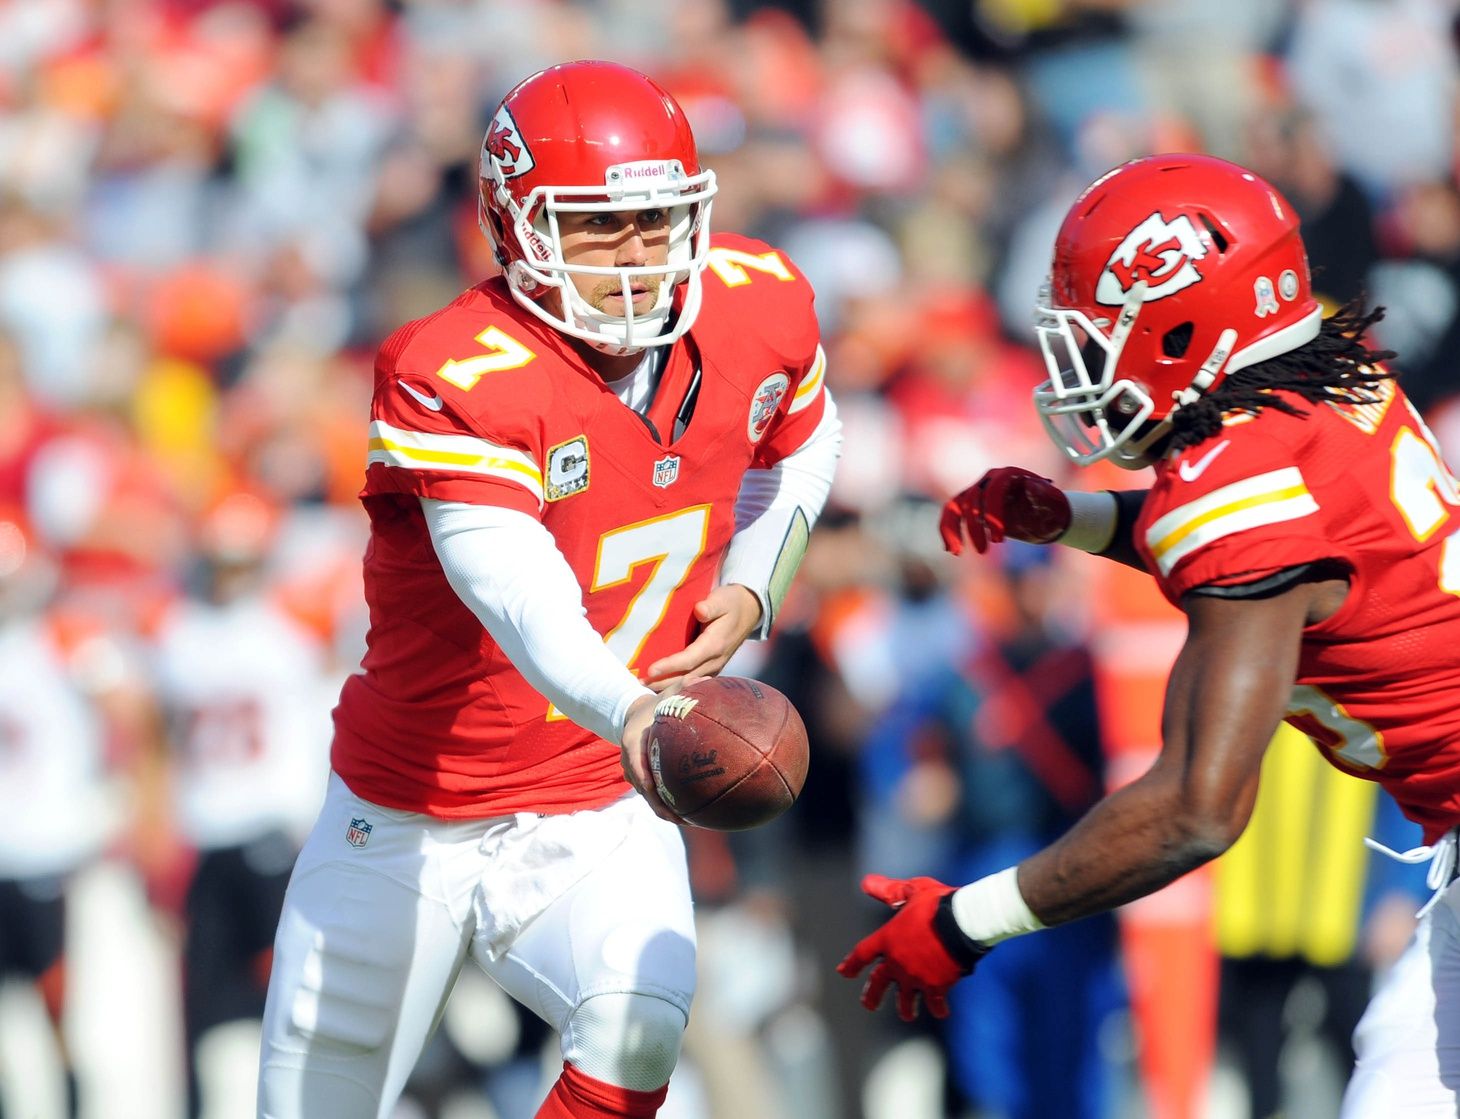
[[1303, 519], [589, 479]]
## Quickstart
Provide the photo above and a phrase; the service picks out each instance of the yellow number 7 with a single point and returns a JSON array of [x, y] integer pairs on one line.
[[504, 352], [672, 543]]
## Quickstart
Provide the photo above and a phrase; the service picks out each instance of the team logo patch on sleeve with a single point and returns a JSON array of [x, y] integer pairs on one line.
[[358, 833], [567, 470], [764, 403]]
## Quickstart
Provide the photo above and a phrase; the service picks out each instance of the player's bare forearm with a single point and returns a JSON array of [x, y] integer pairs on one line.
[[1226, 695], [1133, 843]]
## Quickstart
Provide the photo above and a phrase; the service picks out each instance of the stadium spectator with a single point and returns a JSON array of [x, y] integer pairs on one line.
[[57, 670], [241, 688], [1284, 147], [983, 758]]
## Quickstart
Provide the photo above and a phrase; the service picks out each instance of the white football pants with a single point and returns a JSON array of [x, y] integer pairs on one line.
[[1408, 1041], [384, 906]]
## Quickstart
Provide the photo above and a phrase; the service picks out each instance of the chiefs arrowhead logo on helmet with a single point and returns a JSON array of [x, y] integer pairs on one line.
[[505, 148], [1160, 252]]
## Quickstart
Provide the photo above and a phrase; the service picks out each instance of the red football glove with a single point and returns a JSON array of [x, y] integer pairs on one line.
[[1006, 501], [921, 947]]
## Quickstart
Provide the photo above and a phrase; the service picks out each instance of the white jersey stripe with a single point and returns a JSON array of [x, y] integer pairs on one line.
[[418, 450], [807, 391], [1279, 495]]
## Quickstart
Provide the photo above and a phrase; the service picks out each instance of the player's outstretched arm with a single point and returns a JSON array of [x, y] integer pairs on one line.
[[1009, 502], [1227, 692]]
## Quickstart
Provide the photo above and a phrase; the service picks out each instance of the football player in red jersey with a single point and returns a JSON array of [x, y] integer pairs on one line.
[[589, 479], [1302, 518]]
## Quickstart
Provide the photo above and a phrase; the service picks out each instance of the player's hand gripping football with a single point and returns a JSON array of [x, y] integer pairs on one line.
[[727, 616], [634, 755], [920, 948], [1008, 501]]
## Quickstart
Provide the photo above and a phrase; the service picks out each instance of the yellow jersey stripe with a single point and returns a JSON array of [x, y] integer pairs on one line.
[[1171, 539], [416, 450], [450, 458], [811, 385], [1279, 495], [410, 455]]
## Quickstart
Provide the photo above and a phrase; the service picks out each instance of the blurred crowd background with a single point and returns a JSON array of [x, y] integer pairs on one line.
[[211, 211]]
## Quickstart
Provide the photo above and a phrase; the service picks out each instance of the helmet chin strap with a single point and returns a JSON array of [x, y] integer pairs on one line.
[[612, 350], [1126, 320], [1209, 371], [554, 299], [584, 316], [1134, 456]]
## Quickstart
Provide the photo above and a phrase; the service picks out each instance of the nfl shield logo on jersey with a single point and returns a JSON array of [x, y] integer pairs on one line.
[[666, 471], [358, 832]]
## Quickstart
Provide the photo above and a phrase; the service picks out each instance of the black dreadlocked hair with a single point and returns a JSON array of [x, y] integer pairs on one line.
[[1336, 365]]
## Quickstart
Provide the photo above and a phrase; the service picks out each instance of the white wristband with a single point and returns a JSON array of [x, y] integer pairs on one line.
[[1093, 517], [992, 909]]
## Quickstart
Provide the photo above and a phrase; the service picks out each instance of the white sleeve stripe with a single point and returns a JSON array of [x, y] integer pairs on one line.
[[1252, 513], [1258, 485], [417, 450], [466, 446], [811, 386]]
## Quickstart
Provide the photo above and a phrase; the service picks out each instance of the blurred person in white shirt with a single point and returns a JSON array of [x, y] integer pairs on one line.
[[238, 682], [55, 800]]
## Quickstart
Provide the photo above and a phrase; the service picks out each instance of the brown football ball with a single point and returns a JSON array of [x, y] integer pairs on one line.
[[728, 753]]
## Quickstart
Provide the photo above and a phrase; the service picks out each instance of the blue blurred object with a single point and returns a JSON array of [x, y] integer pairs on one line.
[[1017, 557]]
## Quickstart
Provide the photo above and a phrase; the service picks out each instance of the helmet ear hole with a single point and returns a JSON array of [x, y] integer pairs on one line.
[[498, 238], [1176, 341]]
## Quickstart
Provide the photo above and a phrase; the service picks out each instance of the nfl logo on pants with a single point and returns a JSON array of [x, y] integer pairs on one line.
[[358, 832]]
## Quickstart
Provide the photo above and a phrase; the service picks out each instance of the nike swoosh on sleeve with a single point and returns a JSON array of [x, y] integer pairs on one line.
[[1191, 471], [433, 402]]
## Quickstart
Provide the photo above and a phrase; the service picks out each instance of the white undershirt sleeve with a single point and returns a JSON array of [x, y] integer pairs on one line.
[[507, 568], [775, 511]]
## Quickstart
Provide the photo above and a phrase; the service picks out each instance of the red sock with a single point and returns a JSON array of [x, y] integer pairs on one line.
[[578, 1096]]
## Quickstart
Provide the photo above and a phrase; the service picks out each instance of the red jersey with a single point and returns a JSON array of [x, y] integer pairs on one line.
[[1378, 685], [480, 402]]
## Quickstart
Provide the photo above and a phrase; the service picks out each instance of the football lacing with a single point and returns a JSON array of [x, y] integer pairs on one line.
[[675, 706]]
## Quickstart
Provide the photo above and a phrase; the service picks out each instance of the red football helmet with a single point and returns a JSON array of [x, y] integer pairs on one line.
[[1169, 273], [584, 137]]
